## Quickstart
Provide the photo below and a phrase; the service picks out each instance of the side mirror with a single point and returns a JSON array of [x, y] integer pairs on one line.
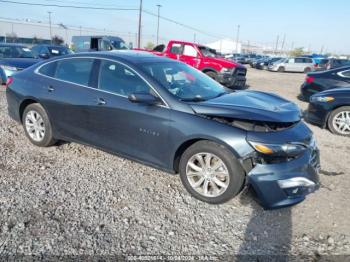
[[44, 56], [144, 98]]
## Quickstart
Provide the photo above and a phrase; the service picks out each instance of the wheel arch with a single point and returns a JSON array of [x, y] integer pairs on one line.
[[186, 144], [26, 102], [209, 69]]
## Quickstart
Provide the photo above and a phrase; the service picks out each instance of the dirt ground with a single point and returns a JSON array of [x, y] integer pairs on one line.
[[74, 200]]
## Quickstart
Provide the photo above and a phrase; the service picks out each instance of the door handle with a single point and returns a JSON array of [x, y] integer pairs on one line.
[[50, 89], [101, 101]]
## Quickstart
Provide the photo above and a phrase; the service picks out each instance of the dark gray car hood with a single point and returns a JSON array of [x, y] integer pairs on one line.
[[250, 105]]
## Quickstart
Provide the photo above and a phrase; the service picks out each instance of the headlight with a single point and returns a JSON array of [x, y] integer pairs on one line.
[[322, 99], [226, 70], [278, 150]]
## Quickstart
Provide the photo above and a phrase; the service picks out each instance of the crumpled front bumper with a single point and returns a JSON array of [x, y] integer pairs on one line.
[[284, 184]]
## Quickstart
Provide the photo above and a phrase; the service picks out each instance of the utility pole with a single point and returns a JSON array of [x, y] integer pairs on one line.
[[194, 38], [159, 6], [237, 37], [140, 24], [80, 30], [283, 41], [321, 52], [50, 26], [278, 38]]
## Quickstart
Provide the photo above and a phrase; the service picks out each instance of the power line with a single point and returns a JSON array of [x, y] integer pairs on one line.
[[71, 6], [181, 24]]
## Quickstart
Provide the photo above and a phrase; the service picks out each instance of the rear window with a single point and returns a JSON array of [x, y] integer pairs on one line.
[[75, 70]]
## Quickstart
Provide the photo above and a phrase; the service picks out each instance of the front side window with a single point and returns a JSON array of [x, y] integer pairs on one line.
[[75, 70], [183, 81], [119, 79]]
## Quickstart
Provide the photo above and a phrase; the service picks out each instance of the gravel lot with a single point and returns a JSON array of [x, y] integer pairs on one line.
[[74, 200]]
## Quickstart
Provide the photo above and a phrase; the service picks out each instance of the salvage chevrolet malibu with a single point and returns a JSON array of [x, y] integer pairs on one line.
[[171, 116]]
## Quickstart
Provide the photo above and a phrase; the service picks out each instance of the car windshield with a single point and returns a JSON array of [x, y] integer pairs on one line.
[[184, 82], [59, 50], [207, 51], [15, 52], [119, 45]]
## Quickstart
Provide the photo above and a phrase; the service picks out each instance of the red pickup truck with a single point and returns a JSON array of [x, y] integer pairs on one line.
[[205, 59]]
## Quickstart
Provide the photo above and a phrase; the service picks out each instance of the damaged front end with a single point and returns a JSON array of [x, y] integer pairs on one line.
[[283, 165]]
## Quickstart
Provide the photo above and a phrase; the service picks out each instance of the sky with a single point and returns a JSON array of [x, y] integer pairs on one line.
[[311, 24]]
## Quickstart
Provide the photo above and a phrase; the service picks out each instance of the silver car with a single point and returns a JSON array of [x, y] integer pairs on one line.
[[294, 64]]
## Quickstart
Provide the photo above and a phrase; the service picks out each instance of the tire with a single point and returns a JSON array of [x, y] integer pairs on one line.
[[35, 118], [338, 114], [229, 173], [212, 75], [281, 69], [307, 70]]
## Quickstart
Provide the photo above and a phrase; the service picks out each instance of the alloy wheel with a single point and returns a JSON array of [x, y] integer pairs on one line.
[[341, 122], [35, 126], [207, 174]]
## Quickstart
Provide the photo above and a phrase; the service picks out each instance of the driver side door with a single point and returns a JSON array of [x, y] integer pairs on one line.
[[136, 130]]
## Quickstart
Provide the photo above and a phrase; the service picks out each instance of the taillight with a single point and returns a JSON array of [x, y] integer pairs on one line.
[[9, 81], [309, 79], [315, 65]]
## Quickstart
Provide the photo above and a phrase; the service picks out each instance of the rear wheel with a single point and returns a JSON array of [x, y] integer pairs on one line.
[[37, 126], [281, 69], [212, 75], [211, 173], [339, 121]]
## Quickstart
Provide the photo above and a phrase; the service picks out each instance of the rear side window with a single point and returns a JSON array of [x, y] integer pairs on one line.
[[48, 69], [299, 60], [176, 49], [190, 51], [346, 73], [76, 70], [119, 79]]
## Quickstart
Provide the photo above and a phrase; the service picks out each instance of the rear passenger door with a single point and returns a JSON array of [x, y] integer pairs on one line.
[[68, 96]]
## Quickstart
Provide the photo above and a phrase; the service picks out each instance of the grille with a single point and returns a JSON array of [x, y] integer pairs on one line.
[[314, 160], [240, 72]]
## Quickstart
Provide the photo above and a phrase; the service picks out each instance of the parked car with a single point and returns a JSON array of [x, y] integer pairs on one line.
[[232, 56], [335, 63], [252, 61], [97, 43], [331, 109], [3, 77], [322, 65], [205, 59], [15, 57], [49, 51], [295, 64], [264, 63], [171, 116], [320, 81]]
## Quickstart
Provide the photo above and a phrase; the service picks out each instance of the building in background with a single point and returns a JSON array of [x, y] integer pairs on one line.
[[32, 32]]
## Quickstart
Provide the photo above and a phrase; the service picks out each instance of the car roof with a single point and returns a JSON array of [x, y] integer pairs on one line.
[[47, 45], [12, 44], [130, 56]]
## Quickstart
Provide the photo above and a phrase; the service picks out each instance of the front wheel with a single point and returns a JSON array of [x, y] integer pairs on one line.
[[281, 69], [211, 173], [339, 121], [37, 126]]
